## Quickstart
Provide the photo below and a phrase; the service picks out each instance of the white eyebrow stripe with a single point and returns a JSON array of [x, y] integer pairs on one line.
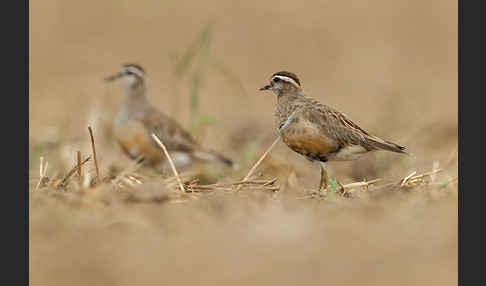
[[135, 71], [287, 79]]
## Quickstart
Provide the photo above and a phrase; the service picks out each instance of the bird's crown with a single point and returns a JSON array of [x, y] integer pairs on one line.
[[287, 77], [134, 69]]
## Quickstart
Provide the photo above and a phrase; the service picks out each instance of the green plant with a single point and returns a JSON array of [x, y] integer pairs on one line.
[[192, 67]]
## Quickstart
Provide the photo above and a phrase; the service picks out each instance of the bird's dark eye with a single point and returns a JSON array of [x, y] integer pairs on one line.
[[128, 72], [276, 79]]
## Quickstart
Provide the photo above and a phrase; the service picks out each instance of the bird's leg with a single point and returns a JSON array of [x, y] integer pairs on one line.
[[324, 178]]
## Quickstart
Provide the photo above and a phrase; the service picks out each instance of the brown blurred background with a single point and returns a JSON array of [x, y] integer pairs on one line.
[[391, 66]]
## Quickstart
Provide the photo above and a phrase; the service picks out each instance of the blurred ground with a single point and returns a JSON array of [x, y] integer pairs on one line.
[[391, 66]]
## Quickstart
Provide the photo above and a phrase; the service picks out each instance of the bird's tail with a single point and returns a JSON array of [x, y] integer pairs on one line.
[[386, 145], [210, 155]]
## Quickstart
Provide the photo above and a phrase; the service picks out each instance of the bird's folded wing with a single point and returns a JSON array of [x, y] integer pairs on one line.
[[174, 137], [347, 133]]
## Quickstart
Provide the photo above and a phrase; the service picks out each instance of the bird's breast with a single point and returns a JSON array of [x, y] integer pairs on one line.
[[308, 141], [133, 140]]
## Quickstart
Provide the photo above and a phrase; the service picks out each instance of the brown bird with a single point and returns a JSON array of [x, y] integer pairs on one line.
[[137, 119], [317, 131]]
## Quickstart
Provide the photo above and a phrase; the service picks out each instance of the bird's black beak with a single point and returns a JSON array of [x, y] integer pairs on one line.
[[266, 87], [113, 77]]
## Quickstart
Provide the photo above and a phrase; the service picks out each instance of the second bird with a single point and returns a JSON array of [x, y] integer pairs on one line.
[[137, 119], [317, 131]]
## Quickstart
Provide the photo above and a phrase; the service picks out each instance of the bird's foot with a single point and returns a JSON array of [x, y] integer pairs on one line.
[[324, 190]]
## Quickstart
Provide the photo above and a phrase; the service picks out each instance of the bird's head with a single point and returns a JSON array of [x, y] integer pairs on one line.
[[283, 81], [130, 76]]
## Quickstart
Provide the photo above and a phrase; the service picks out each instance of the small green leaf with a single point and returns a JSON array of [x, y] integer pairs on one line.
[[333, 184]]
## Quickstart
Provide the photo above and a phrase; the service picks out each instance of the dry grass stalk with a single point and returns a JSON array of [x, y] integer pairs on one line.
[[414, 180], [131, 180], [255, 182], [72, 171], [258, 162], [80, 179], [94, 154], [42, 173], [131, 168], [363, 184], [254, 185], [435, 166], [170, 161], [135, 179], [404, 180], [185, 177]]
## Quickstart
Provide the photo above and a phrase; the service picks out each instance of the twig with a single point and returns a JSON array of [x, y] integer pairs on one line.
[[411, 179], [94, 154], [268, 183], [206, 188], [73, 170], [170, 161], [256, 182], [79, 169], [41, 166], [42, 172], [255, 185], [404, 180], [435, 166], [132, 167], [258, 162], [360, 184]]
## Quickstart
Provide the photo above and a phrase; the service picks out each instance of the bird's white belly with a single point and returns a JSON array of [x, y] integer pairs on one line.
[[348, 153], [180, 159]]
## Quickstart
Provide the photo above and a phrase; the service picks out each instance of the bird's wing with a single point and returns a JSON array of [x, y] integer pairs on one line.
[[174, 137], [345, 132]]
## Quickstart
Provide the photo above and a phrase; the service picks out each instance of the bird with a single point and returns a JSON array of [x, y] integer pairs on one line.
[[316, 131], [136, 119]]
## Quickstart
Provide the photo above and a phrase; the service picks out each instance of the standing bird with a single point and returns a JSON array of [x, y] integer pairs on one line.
[[137, 119], [317, 131]]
